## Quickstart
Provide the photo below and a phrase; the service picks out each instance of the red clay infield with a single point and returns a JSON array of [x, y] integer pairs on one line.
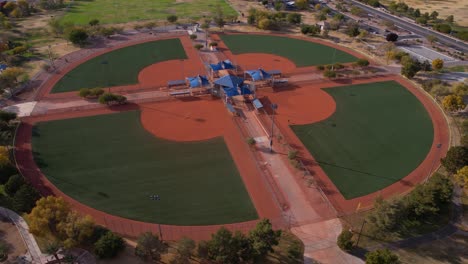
[[204, 119]]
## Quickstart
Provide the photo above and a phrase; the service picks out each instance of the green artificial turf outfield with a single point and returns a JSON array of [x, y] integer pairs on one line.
[[120, 67], [302, 53], [111, 163], [379, 133], [121, 11]]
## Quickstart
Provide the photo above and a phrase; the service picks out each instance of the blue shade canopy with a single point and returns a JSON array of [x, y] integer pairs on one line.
[[227, 64], [230, 91], [244, 89], [216, 67], [3, 67], [198, 81], [258, 75], [229, 81], [222, 65]]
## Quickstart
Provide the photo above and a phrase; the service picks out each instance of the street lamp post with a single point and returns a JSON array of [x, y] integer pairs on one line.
[[273, 107], [439, 146]]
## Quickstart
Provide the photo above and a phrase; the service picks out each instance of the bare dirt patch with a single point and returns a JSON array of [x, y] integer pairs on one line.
[[10, 235]]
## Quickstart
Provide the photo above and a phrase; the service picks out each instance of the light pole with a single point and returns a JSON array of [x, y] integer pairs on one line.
[[439, 146], [273, 108]]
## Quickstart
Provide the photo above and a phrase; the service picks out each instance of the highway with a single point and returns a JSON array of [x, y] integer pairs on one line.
[[415, 28]]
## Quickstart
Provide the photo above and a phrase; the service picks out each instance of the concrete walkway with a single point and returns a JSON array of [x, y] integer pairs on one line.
[[312, 223], [34, 254]]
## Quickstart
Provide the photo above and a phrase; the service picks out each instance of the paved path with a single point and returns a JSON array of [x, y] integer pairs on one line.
[[34, 253], [312, 223]]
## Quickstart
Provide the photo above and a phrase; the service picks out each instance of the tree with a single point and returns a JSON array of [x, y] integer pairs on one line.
[[302, 4], [172, 18], [219, 17], [150, 247], [263, 238], [109, 245], [459, 89], [110, 98], [437, 64], [6, 168], [14, 184], [461, 177], [391, 37], [53, 248], [75, 229], [456, 158], [410, 67], [382, 256], [7, 116], [453, 103], [49, 212], [386, 214], [226, 248], [450, 19], [295, 252], [352, 29], [363, 34], [345, 241], [431, 39], [25, 198], [434, 15], [294, 18], [185, 248], [78, 36], [426, 66], [421, 20], [265, 24]]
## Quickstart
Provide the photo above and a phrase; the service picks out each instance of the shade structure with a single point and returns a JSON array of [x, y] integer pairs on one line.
[[258, 75], [222, 65], [229, 81], [245, 89], [198, 81], [230, 91]]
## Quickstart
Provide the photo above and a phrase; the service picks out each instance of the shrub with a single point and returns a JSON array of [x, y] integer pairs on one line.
[[251, 141], [198, 46], [109, 245], [362, 63], [382, 256], [193, 36], [320, 67], [294, 18], [338, 66], [213, 44], [391, 37], [456, 158], [329, 74], [344, 240], [110, 98], [292, 154], [25, 199], [172, 18], [7, 116], [295, 163], [84, 92], [78, 36], [13, 184]]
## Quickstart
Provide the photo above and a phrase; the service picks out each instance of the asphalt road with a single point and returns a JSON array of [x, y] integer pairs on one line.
[[415, 28]]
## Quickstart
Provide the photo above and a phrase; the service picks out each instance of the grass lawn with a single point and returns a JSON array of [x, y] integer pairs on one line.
[[121, 11], [120, 67], [111, 163], [302, 53], [379, 133]]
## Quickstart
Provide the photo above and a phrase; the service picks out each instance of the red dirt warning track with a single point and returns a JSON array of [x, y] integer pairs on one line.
[[311, 104], [182, 121]]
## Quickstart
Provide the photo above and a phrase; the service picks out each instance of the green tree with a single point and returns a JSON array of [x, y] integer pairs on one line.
[[410, 68], [185, 248], [7, 116], [345, 241], [294, 18], [352, 29], [109, 245], [450, 19], [226, 248], [25, 198], [218, 19], [49, 212], [458, 88], [456, 158], [386, 215], [265, 24], [93, 22], [453, 102], [329, 74], [13, 184], [9, 78], [431, 39], [434, 15], [444, 28], [172, 18], [150, 247], [263, 238], [437, 64], [382, 256], [362, 63], [78, 36]]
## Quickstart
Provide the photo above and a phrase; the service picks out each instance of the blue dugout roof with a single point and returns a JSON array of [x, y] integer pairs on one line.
[[198, 81], [229, 81]]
